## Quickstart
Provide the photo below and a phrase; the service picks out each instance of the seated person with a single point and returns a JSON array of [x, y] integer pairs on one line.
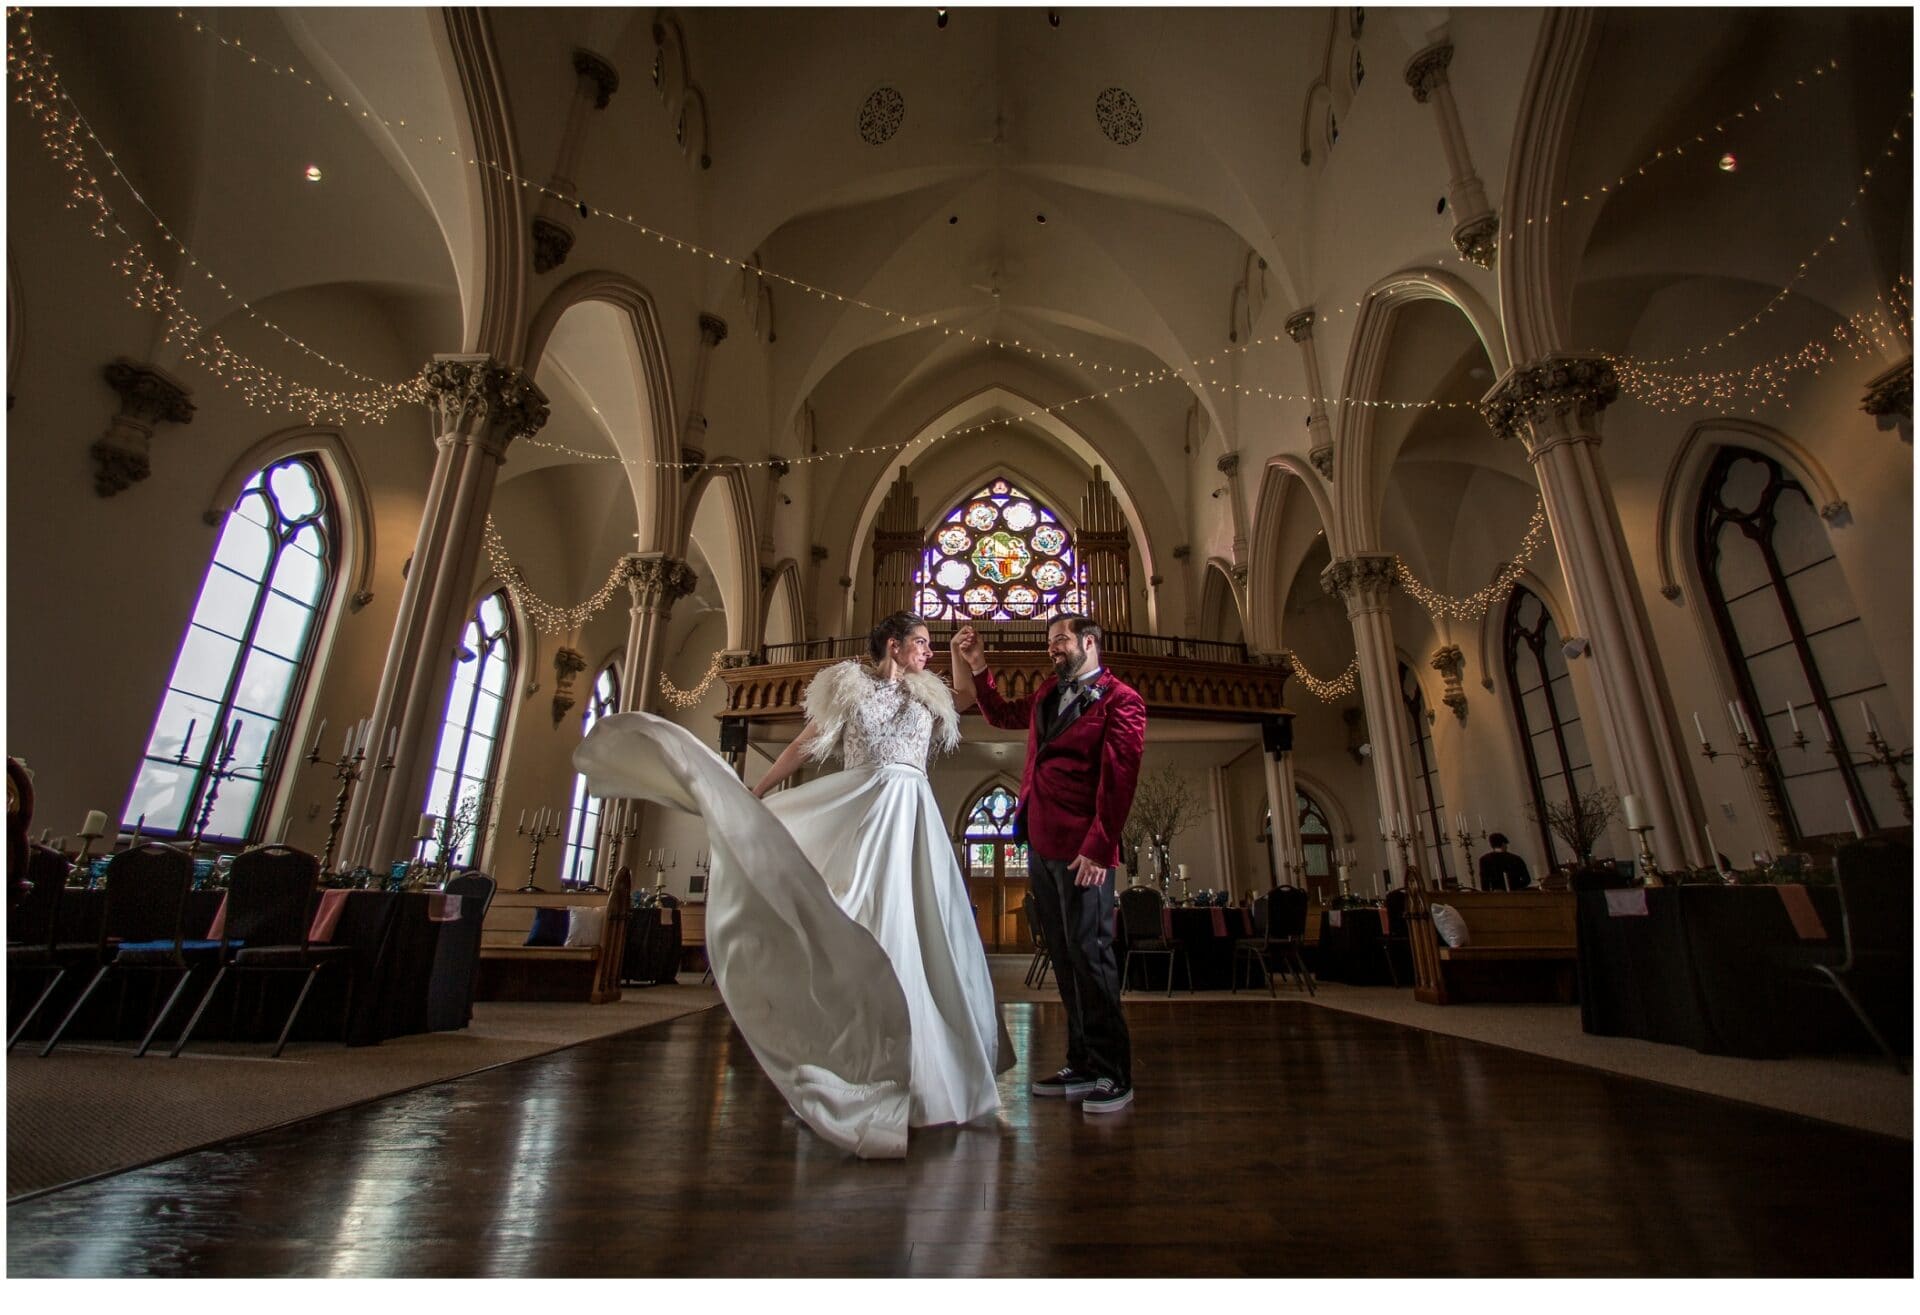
[[1500, 870]]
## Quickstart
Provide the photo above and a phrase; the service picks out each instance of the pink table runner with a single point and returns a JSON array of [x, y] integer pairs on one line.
[[1800, 911], [1626, 903], [324, 919]]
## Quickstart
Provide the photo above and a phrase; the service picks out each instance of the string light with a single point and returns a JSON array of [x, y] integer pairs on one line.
[[38, 87], [1477, 604], [547, 618], [1327, 691], [687, 698]]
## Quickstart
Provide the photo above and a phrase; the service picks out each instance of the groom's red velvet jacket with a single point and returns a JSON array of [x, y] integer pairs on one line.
[[1080, 776]]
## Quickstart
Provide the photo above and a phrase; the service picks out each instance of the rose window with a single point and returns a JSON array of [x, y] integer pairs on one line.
[[999, 556]]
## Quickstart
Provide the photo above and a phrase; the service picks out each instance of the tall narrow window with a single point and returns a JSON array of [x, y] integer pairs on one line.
[[463, 764], [1792, 634], [1426, 777], [583, 822], [1316, 837], [1552, 740], [999, 556], [221, 733]]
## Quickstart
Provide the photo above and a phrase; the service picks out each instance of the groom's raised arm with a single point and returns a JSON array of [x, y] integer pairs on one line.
[[972, 682]]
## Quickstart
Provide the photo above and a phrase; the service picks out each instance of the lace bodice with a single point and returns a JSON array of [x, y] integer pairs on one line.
[[887, 727]]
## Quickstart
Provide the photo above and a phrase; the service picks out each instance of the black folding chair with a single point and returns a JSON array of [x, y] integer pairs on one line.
[[1280, 926], [473, 883], [1037, 966], [268, 929], [33, 931], [1396, 937], [141, 930], [1874, 963], [1140, 925]]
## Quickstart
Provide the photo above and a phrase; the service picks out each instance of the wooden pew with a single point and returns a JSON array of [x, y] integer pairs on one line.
[[510, 969], [1521, 945]]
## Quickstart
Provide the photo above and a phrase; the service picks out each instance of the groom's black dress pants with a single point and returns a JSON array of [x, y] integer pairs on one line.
[[1076, 922]]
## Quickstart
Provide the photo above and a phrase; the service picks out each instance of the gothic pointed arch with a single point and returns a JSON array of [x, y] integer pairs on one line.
[[999, 555]]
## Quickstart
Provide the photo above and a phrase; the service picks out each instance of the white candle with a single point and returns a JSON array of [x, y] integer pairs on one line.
[[1420, 824], [366, 846], [1400, 823], [346, 745], [1713, 850], [95, 826], [319, 735], [1699, 728], [1867, 712], [523, 821], [1630, 805], [1826, 727], [1793, 718], [1183, 872], [427, 822], [266, 750], [1853, 816], [1383, 828], [393, 740]]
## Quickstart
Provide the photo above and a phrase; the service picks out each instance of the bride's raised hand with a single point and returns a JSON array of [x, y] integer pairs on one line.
[[966, 645]]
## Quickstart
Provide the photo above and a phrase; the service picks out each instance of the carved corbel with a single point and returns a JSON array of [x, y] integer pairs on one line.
[[1451, 663], [567, 663], [1889, 400], [148, 397]]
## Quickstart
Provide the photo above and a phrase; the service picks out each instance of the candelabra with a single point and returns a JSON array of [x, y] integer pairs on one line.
[[1649, 867], [544, 828], [218, 773], [1884, 756], [662, 861], [1465, 836], [614, 835], [1755, 756], [347, 769]]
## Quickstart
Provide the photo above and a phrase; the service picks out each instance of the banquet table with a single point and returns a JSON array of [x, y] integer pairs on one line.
[[653, 947], [1700, 966], [412, 969], [1349, 949], [1207, 938]]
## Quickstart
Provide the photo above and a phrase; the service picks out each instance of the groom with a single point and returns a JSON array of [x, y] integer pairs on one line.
[[1086, 730]]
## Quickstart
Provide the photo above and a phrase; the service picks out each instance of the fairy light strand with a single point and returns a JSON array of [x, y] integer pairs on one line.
[[547, 618], [1327, 691], [687, 698]]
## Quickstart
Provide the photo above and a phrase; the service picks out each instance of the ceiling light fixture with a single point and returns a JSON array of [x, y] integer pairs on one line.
[[313, 173]]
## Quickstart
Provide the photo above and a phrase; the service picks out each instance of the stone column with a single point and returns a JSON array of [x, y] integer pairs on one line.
[[1222, 799], [595, 81], [1319, 427], [1285, 839], [1553, 406], [1477, 233], [1365, 582], [656, 582], [1229, 465], [479, 407], [149, 396], [1106, 550], [693, 438]]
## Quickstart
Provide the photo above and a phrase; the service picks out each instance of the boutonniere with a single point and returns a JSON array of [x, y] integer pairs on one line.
[[1095, 693]]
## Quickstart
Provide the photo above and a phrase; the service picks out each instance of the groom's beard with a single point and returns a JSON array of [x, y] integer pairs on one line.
[[1067, 668]]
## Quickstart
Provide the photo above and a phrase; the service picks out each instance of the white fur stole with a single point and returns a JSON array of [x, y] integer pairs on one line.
[[839, 689]]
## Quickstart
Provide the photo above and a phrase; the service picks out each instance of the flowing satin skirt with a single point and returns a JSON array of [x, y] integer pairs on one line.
[[839, 932]]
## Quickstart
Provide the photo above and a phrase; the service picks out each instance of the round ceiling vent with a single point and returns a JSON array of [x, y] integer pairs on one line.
[[880, 116], [1119, 116]]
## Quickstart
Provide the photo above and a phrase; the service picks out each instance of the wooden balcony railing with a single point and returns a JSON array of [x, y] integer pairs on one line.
[[1194, 679]]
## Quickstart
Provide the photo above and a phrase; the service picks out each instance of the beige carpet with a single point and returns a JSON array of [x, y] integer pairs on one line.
[[86, 1110], [1860, 1091]]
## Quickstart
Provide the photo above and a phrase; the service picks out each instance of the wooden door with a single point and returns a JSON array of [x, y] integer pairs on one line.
[[997, 886]]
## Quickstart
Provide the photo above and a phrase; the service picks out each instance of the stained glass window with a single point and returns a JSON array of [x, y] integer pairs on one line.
[[470, 733], [233, 687], [992, 817], [999, 556], [583, 821]]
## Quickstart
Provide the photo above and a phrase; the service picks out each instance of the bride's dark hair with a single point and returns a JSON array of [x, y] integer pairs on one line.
[[896, 627]]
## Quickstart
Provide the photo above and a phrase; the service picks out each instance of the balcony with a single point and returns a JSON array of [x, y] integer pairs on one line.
[[1190, 679]]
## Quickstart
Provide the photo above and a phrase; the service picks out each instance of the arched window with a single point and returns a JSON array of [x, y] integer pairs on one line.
[[999, 556], [221, 733], [1426, 776], [1316, 837], [463, 764], [583, 821], [990, 823], [1554, 743], [1792, 634]]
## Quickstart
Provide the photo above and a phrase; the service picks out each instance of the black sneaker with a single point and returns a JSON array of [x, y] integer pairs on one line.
[[1064, 1083], [1107, 1096]]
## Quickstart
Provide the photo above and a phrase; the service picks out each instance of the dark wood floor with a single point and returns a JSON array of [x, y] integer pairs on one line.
[[1267, 1140]]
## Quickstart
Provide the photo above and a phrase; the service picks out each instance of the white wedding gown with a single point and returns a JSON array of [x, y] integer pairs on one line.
[[838, 924]]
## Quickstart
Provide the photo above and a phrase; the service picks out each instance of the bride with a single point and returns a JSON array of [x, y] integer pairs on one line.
[[838, 924]]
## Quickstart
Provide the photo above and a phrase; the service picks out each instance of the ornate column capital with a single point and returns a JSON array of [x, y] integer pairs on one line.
[[1238, 572], [1228, 465], [1363, 581], [567, 663], [1321, 459], [149, 396], [1300, 325], [1427, 70], [1478, 240], [713, 329], [483, 401], [657, 581], [1550, 401], [601, 77], [817, 553]]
